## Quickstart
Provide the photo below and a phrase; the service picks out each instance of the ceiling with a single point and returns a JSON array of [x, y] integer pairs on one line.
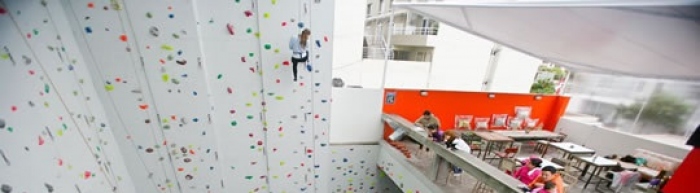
[[658, 39]]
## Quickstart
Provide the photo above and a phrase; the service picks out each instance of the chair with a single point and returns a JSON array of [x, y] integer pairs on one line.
[[473, 140], [507, 153], [508, 165], [480, 187], [572, 167]]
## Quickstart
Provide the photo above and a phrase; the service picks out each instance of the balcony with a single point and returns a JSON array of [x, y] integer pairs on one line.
[[414, 36]]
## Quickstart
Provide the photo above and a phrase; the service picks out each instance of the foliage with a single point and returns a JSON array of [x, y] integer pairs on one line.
[[558, 72], [543, 87], [662, 109]]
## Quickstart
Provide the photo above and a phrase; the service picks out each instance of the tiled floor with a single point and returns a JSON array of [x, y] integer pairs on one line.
[[465, 182]]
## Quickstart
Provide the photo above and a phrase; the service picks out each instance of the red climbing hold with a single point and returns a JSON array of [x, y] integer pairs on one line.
[[248, 13], [242, 59], [230, 28], [2, 11], [122, 37], [325, 38], [286, 63], [143, 106], [91, 5], [252, 69], [87, 174]]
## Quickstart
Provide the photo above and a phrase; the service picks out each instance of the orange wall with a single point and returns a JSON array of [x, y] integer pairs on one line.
[[446, 104]]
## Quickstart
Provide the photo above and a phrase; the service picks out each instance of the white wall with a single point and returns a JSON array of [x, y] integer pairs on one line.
[[348, 31], [606, 141], [459, 60], [356, 116], [54, 134], [369, 74], [515, 72]]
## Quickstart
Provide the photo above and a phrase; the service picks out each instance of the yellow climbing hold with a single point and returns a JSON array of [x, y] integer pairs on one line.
[[266, 15], [166, 77], [166, 47], [279, 98], [274, 2], [59, 132], [257, 34], [277, 66], [109, 87]]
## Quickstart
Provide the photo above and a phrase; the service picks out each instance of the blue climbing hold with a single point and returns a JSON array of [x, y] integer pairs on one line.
[[301, 24], [309, 67], [318, 43], [88, 30]]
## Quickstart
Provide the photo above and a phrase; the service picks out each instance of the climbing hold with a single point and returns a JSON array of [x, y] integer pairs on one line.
[[248, 13], [49, 187], [175, 81], [230, 28], [6, 188], [300, 25], [122, 37], [284, 24], [154, 31], [166, 47], [249, 30], [268, 46], [27, 60], [318, 43], [181, 62], [149, 15], [266, 15], [165, 77], [176, 36], [309, 67], [2, 123], [88, 30], [325, 38], [171, 15]]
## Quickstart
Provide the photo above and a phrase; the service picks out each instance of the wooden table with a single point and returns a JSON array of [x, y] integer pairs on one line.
[[491, 138], [569, 149], [529, 136], [598, 163], [545, 163]]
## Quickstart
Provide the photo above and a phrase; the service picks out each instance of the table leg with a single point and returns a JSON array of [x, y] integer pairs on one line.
[[487, 150], [590, 177], [585, 170], [544, 152]]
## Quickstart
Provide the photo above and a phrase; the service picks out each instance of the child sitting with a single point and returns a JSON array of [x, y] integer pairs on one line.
[[549, 187]]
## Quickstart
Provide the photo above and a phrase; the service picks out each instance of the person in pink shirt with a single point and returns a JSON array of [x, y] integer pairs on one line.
[[529, 171]]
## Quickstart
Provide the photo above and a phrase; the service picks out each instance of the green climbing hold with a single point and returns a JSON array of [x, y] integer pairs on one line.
[[46, 88], [149, 15], [166, 77], [10, 129], [166, 47], [268, 46], [248, 177], [234, 123], [219, 76], [251, 54], [249, 116], [252, 147], [36, 32], [109, 87], [249, 30], [65, 127]]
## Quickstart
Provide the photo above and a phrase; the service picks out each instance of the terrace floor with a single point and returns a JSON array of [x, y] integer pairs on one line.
[[465, 182]]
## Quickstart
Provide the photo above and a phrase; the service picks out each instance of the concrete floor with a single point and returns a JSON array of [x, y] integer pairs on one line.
[[465, 183]]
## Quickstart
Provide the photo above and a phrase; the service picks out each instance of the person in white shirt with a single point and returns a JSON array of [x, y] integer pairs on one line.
[[455, 142], [299, 46]]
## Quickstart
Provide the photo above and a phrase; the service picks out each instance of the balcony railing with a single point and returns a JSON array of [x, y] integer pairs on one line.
[[415, 31], [483, 172], [376, 53]]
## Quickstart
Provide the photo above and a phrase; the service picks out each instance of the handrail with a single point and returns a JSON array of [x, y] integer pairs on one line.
[[482, 171]]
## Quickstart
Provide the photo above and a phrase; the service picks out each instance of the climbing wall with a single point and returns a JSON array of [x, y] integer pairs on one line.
[[297, 113], [232, 58], [198, 97], [146, 56], [354, 168], [54, 134]]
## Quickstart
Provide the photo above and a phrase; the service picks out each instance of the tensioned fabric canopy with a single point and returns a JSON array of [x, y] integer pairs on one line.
[[658, 39]]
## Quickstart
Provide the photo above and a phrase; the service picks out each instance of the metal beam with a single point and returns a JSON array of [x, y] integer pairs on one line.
[[482, 171]]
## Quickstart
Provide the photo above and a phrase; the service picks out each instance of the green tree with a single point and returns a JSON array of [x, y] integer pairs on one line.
[[558, 72], [662, 109], [543, 87]]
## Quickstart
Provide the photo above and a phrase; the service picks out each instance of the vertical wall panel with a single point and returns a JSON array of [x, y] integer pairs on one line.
[[232, 65], [104, 34], [321, 20], [175, 77], [54, 137]]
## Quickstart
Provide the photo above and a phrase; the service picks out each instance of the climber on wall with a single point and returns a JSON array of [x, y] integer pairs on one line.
[[298, 45]]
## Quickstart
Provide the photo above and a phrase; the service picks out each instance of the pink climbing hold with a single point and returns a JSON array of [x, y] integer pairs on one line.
[[252, 69], [31, 72], [13, 108], [41, 140], [230, 28], [87, 174], [248, 13], [325, 38], [278, 80], [243, 59], [2, 11], [284, 24], [229, 90], [60, 162]]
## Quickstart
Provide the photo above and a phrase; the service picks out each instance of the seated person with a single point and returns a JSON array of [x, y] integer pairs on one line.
[[435, 133], [529, 171], [549, 187], [454, 142], [549, 174], [427, 119]]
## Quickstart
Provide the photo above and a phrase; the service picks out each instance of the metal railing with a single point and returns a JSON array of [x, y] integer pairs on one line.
[[415, 31], [483, 172], [376, 53]]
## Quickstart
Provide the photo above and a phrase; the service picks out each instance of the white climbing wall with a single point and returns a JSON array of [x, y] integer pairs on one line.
[[354, 169], [54, 134], [165, 96], [232, 60]]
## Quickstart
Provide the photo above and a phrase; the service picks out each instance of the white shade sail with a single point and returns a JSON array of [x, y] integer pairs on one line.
[[659, 39]]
